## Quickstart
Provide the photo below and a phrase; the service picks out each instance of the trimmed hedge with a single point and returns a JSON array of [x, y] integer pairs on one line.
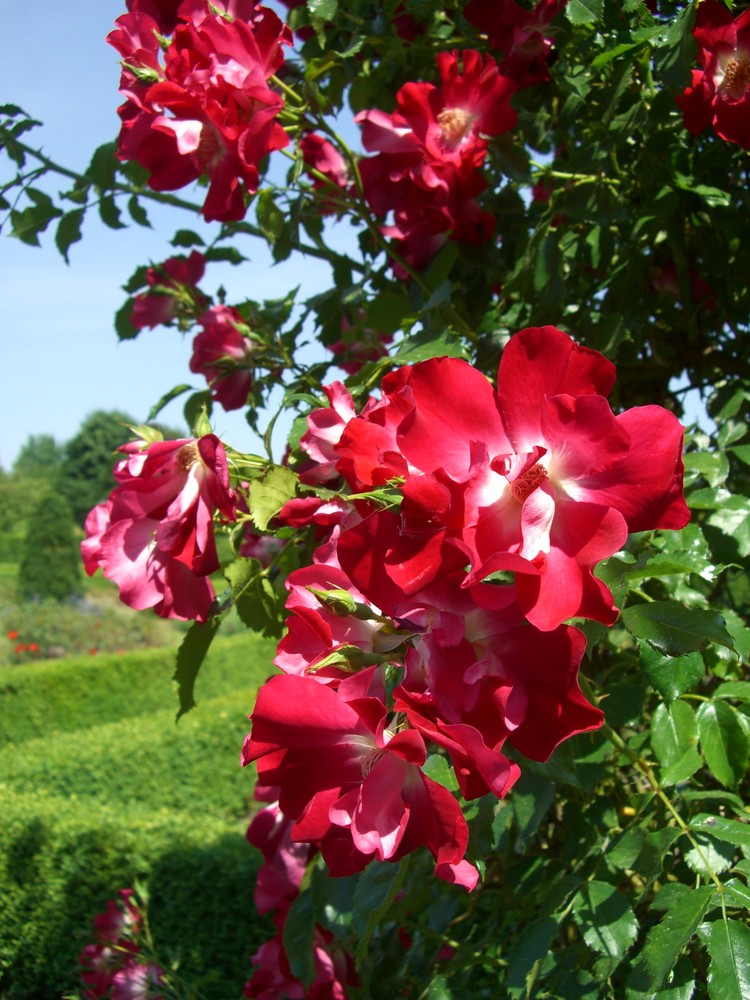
[[70, 695], [113, 791]]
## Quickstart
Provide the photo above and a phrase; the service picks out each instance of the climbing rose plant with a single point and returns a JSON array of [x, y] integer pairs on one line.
[[504, 742]]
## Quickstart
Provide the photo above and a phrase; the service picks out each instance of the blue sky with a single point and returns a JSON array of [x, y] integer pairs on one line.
[[61, 357]]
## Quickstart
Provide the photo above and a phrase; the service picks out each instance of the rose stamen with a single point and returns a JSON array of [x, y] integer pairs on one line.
[[186, 457], [455, 124], [527, 482], [736, 80]]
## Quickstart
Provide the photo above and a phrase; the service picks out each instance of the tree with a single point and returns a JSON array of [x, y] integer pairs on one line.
[[85, 473], [51, 562], [39, 457]]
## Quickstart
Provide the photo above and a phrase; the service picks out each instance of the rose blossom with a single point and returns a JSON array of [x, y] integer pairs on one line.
[[720, 92], [349, 782], [539, 478], [154, 535], [223, 352], [208, 110], [172, 290]]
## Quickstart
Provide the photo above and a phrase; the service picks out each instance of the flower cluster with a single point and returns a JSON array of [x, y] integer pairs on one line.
[[278, 884], [154, 535], [719, 95], [519, 34], [171, 292], [430, 151], [224, 352], [112, 966], [406, 636], [208, 109]]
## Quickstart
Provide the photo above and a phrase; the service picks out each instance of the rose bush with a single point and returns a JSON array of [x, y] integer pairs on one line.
[[504, 583]]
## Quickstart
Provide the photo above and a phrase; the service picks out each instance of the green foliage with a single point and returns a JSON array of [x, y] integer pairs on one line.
[[101, 788], [51, 560], [39, 457]]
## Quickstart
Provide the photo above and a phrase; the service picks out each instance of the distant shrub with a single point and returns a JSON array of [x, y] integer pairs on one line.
[[51, 560]]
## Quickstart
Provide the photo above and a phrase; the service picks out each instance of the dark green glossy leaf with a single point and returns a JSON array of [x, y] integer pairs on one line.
[[323, 9], [724, 742], [376, 891], [674, 629], [253, 597], [69, 231], [299, 928], [666, 939], [671, 675], [156, 409], [190, 657], [584, 11], [674, 729], [605, 919], [729, 972]]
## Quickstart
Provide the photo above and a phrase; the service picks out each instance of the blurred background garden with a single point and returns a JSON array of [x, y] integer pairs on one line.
[[99, 787]]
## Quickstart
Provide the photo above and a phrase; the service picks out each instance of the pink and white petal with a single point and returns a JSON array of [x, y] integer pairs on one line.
[[439, 436], [582, 535], [539, 362], [646, 484]]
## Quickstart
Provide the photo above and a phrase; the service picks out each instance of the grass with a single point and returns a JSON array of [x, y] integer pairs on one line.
[[99, 786]]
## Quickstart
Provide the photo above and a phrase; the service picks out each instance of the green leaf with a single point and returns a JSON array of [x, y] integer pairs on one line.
[[709, 857], [735, 690], [548, 279], [254, 597], [138, 212], [584, 11], [385, 313], [334, 900], [377, 888], [270, 218], [187, 238], [737, 894], [674, 730], [269, 494], [682, 769], [531, 946], [29, 223], [605, 919], [729, 972], [195, 408], [103, 166], [69, 231], [325, 10], [671, 675], [229, 255], [532, 797], [124, 324], [438, 768], [167, 398], [190, 657], [299, 928], [731, 830], [724, 742], [674, 629], [444, 346], [110, 213], [665, 940]]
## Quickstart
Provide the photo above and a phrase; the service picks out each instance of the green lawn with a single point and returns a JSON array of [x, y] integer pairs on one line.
[[99, 786]]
